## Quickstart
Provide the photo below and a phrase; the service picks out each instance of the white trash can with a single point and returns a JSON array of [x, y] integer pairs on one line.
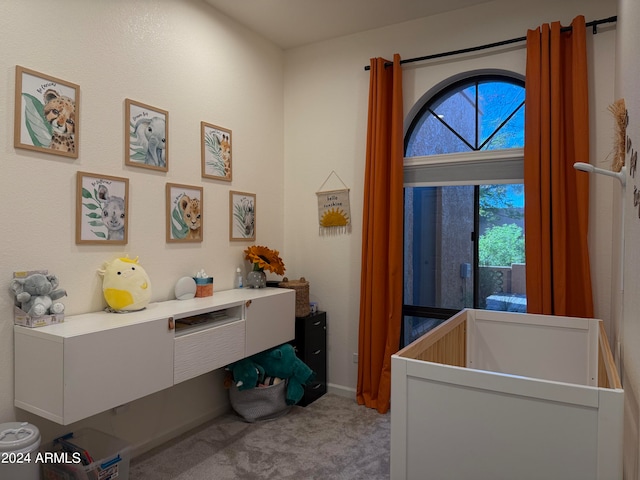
[[19, 443]]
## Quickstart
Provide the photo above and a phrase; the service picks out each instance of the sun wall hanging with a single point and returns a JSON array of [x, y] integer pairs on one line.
[[334, 212]]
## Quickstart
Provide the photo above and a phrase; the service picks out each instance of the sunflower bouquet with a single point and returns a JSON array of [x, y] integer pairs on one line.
[[263, 258]]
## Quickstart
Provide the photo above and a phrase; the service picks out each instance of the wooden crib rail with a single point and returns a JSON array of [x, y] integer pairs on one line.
[[446, 344], [607, 372]]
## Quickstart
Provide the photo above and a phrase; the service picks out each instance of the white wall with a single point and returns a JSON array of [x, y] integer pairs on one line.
[[326, 93], [626, 318], [178, 55]]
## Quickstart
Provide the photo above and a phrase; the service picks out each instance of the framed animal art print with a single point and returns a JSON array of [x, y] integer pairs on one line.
[[102, 209], [184, 213], [46, 113], [242, 216], [146, 136], [215, 152]]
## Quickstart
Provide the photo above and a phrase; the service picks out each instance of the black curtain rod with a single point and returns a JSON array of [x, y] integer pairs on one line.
[[594, 24]]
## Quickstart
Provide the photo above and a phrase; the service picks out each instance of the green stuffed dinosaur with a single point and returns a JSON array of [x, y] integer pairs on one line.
[[282, 362], [246, 373]]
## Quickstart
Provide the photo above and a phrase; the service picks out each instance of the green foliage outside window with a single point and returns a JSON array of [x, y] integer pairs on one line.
[[501, 245]]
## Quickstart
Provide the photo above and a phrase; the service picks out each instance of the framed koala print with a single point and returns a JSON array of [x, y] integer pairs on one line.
[[46, 114], [102, 209]]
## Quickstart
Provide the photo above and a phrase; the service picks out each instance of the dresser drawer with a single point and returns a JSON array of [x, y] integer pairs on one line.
[[312, 392], [317, 361], [312, 325], [207, 350], [311, 334]]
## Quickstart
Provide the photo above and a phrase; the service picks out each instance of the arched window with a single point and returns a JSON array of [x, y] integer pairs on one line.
[[464, 202], [485, 112]]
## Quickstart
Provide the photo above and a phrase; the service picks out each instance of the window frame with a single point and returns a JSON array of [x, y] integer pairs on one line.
[[473, 167]]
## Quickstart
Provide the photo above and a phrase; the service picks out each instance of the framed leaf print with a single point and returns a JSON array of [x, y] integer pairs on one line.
[[216, 152], [146, 136], [184, 213], [102, 209], [242, 216], [46, 113]]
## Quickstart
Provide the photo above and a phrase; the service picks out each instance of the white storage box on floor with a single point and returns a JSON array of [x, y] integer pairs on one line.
[[19, 443], [493, 395], [90, 455]]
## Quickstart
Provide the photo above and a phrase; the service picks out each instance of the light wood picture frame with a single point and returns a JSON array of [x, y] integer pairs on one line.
[[242, 216], [216, 152], [146, 136], [102, 209], [47, 114], [185, 213]]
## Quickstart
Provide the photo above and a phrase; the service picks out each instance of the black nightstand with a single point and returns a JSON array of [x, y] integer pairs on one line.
[[311, 347]]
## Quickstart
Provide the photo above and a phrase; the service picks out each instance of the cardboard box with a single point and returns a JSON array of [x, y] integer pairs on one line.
[[21, 318]]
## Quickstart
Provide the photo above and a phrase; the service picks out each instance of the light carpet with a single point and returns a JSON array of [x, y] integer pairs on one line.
[[332, 438]]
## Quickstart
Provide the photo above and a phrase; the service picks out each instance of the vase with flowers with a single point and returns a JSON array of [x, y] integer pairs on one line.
[[262, 258]]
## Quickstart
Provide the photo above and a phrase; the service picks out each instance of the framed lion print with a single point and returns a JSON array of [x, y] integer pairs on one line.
[[46, 117], [102, 209], [184, 213]]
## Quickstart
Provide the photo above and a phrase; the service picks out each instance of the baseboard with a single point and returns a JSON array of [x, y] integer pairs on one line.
[[341, 390], [169, 435]]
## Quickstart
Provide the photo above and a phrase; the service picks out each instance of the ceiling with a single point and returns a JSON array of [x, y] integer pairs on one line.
[[292, 23]]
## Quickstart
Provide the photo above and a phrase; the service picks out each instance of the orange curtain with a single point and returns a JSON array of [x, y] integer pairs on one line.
[[381, 275], [556, 195]]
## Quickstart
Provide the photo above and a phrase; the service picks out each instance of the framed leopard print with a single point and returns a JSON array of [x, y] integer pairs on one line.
[[47, 118], [185, 213]]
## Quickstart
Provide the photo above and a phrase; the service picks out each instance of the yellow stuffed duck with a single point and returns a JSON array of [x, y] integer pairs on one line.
[[126, 285]]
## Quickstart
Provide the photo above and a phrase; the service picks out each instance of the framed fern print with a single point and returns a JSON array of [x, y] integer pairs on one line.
[[216, 152], [47, 118], [146, 136], [185, 214], [102, 209], [242, 216]]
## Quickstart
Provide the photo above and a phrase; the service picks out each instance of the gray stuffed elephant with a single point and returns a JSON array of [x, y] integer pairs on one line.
[[37, 293]]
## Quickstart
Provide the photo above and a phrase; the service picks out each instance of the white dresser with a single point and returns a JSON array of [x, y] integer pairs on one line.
[[93, 362]]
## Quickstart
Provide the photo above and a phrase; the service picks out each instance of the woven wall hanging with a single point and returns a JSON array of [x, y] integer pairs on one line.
[[621, 118], [334, 212]]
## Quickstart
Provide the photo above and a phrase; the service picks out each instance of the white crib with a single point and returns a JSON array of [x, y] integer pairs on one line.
[[492, 395]]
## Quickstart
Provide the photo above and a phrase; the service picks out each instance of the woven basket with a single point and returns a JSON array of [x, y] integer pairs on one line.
[[301, 288], [260, 403]]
